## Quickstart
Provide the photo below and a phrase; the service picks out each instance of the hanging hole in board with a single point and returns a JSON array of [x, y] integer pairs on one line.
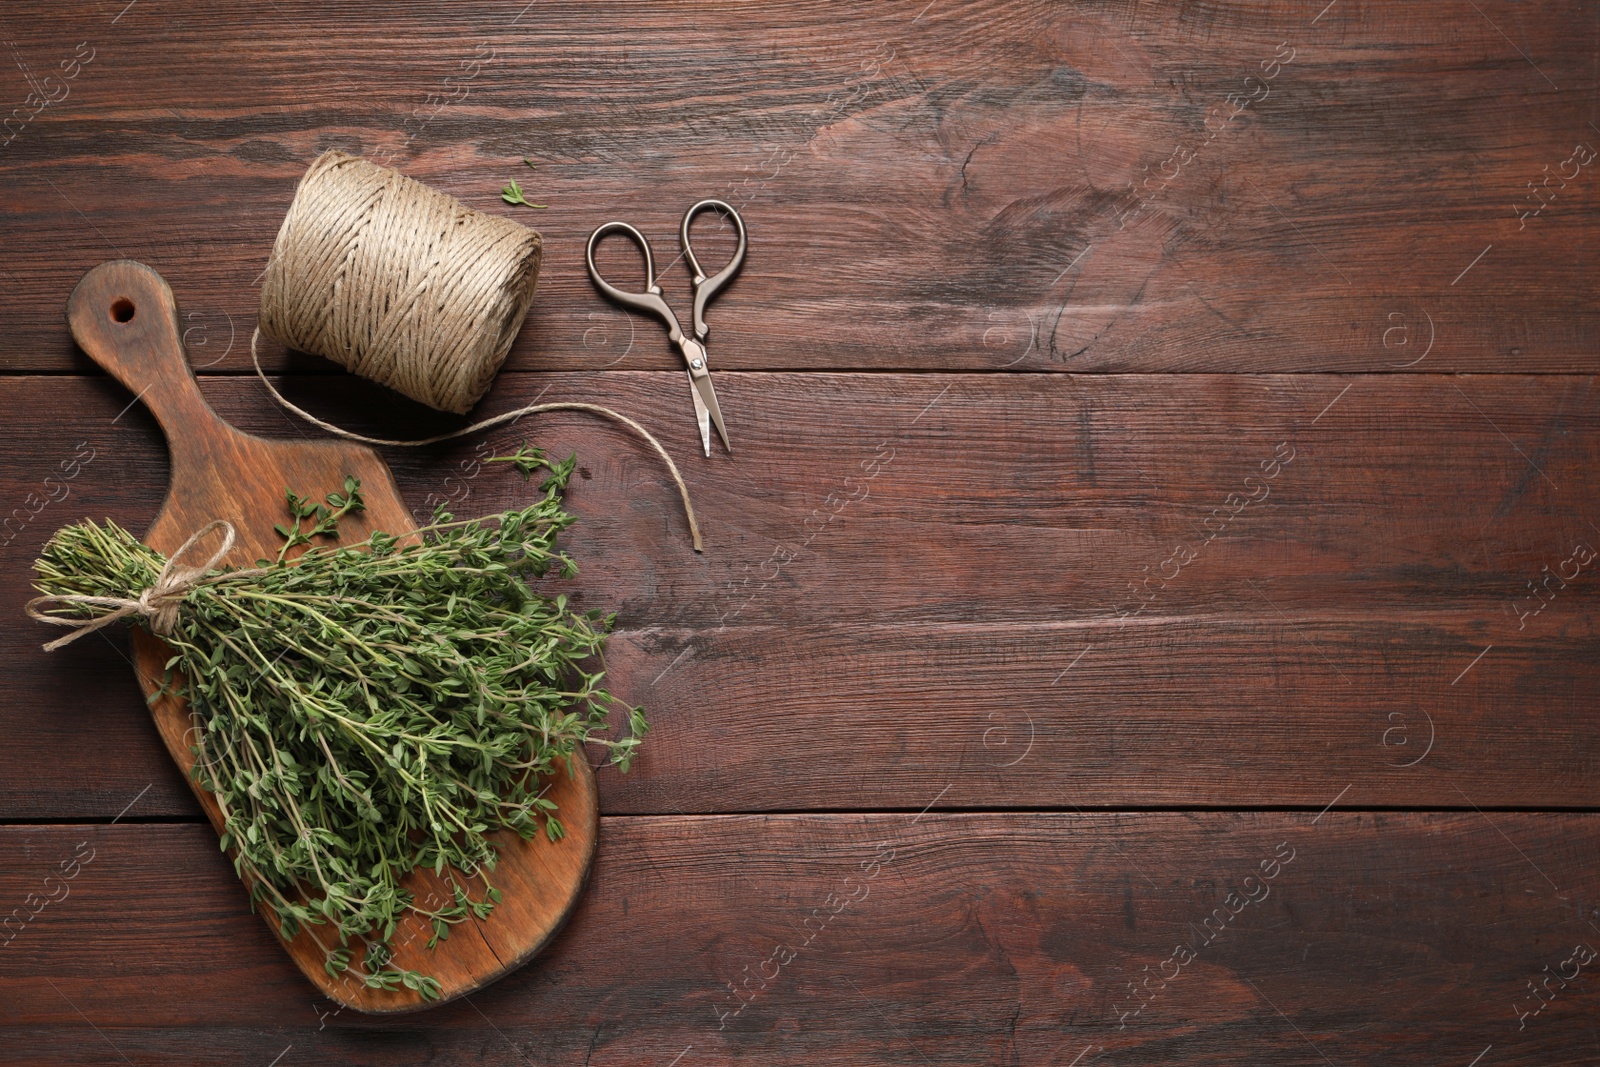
[[122, 310]]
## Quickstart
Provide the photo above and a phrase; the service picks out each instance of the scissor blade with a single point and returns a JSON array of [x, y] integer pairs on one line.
[[706, 409], [702, 416]]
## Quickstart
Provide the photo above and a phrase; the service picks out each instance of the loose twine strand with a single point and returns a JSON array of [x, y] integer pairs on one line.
[[410, 288], [159, 603], [489, 424]]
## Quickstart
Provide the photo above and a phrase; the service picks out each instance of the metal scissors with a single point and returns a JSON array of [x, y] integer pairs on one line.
[[693, 348]]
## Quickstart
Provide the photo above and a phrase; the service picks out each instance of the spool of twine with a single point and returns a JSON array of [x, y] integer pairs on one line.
[[398, 282]]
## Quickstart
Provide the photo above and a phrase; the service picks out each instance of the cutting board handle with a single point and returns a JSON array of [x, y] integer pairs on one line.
[[124, 316]]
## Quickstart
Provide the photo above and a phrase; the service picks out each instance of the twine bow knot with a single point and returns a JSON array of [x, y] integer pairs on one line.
[[159, 603]]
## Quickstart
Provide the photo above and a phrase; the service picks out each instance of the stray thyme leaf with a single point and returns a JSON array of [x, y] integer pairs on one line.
[[512, 194], [367, 710]]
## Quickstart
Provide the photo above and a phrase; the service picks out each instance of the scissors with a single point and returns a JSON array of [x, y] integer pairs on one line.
[[706, 411]]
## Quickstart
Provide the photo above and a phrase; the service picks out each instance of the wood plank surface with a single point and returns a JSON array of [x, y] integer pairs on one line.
[[1165, 442], [1072, 189], [885, 939], [1333, 612]]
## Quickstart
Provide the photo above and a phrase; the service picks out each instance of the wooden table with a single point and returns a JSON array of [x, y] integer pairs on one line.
[[1150, 615]]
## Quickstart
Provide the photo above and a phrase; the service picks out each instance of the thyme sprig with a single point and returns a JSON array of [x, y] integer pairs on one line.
[[324, 518], [366, 710]]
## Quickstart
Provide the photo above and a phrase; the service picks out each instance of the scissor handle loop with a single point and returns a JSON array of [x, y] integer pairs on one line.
[[705, 288], [649, 300]]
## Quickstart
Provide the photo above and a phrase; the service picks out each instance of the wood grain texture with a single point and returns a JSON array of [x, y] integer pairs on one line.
[[123, 315], [934, 624], [945, 939], [1031, 324], [988, 185]]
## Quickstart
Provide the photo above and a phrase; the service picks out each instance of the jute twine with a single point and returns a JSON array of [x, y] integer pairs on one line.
[[411, 288], [398, 282], [158, 604]]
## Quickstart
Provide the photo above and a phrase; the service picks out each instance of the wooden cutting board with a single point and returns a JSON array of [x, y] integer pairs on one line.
[[123, 315]]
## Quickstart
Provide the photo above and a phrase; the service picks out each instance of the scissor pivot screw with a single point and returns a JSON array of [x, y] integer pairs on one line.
[[696, 363]]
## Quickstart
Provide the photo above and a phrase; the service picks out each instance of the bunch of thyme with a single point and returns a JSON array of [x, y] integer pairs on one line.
[[370, 709]]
